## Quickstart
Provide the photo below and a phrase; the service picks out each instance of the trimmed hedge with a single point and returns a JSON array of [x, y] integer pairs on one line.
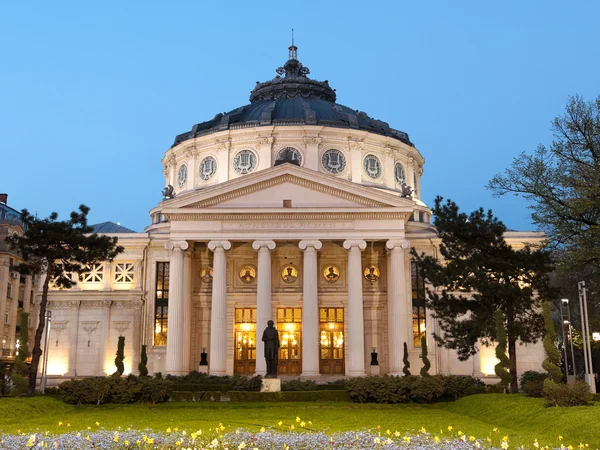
[[290, 396], [392, 389], [532, 383], [100, 390], [558, 394], [192, 387], [196, 396], [233, 383]]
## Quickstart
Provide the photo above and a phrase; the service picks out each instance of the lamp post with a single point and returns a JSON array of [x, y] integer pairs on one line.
[[566, 320], [585, 331], [45, 364]]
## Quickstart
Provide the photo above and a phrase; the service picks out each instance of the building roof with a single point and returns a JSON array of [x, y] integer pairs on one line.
[[110, 227], [291, 98]]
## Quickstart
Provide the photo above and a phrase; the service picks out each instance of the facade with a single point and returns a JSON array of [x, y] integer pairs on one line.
[[294, 209], [16, 291]]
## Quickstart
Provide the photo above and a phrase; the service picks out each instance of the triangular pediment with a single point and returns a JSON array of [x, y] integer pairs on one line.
[[288, 186]]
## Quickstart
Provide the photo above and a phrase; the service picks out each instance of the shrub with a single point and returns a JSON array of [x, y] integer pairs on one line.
[[196, 396], [288, 396], [120, 357], [154, 390], [575, 394], [457, 386], [299, 385], [426, 389], [19, 385], [405, 360], [142, 366], [504, 362], [20, 368], [532, 383], [246, 383], [426, 364]]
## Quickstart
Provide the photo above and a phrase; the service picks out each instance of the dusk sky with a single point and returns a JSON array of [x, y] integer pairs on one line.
[[93, 93]]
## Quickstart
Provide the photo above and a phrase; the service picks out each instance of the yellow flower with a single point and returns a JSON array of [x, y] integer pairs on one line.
[[116, 438], [504, 445], [297, 419], [151, 441], [377, 440], [138, 442], [280, 423], [460, 433], [97, 424], [535, 444], [241, 446], [560, 438], [302, 424], [175, 429], [68, 424], [292, 427], [183, 432], [450, 428], [309, 422], [406, 439], [463, 438], [126, 442], [495, 430], [169, 430], [397, 433], [505, 438], [436, 439], [471, 438], [477, 444], [388, 432], [60, 424], [581, 445], [423, 430], [177, 443], [262, 429]]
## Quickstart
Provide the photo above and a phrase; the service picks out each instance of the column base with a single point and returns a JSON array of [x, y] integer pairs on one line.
[[310, 374], [218, 373], [356, 374]]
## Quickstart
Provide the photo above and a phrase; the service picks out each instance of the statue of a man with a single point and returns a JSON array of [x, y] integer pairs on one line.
[[271, 339]]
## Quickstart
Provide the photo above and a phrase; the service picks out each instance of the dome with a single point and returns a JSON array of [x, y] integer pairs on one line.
[[292, 98]]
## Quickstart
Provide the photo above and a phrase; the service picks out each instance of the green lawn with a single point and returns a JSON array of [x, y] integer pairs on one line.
[[523, 419]]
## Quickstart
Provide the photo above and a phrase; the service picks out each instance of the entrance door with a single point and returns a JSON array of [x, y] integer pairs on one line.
[[245, 341], [289, 325], [331, 327]]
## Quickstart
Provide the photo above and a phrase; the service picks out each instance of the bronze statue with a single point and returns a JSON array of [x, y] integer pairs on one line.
[[271, 339]]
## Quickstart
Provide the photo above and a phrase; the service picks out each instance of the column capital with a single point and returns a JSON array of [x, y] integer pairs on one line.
[[179, 245], [257, 245], [213, 245], [361, 244], [402, 244], [315, 244]]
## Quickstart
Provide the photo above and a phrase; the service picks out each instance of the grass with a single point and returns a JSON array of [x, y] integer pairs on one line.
[[523, 419]]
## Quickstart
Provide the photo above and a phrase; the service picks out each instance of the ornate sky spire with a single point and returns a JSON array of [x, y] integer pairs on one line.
[[293, 49]]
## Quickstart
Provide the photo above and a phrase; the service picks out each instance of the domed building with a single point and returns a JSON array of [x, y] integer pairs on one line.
[[293, 208]]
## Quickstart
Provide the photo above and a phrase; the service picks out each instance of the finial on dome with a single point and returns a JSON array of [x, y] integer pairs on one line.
[[293, 49]]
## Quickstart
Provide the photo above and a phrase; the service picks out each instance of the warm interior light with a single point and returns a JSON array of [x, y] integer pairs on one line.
[[289, 326], [331, 326], [422, 327], [246, 326], [596, 336]]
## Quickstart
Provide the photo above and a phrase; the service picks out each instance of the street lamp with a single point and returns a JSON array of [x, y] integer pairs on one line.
[[566, 320], [585, 331], [48, 317]]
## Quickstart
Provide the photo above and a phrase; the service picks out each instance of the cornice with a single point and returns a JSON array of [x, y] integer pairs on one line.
[[287, 178], [187, 216]]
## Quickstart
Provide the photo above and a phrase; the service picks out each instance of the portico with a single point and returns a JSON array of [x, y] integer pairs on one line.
[[233, 215]]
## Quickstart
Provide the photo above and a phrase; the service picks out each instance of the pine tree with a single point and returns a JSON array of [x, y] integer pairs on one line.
[[478, 273], [426, 364], [406, 362], [500, 368], [56, 248], [142, 366], [120, 357], [551, 364]]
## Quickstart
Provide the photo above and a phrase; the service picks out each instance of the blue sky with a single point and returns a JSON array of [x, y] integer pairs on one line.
[[93, 93]]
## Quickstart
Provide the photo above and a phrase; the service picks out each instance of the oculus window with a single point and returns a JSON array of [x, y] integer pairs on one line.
[[372, 166], [289, 154], [182, 176], [208, 167], [244, 162], [333, 161]]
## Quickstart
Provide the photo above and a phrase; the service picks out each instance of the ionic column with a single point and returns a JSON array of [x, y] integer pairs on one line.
[[398, 320], [310, 309], [356, 325], [218, 313], [175, 321], [263, 299], [73, 336], [187, 308]]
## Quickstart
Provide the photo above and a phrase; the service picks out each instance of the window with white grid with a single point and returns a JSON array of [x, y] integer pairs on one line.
[[124, 272], [95, 274]]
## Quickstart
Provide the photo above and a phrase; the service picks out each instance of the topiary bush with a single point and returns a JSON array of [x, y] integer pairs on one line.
[[120, 357], [406, 361], [19, 385], [426, 364], [504, 362], [558, 394], [552, 362], [532, 383], [143, 365]]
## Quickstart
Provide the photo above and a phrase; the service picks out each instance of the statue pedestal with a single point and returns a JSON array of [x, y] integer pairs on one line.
[[203, 369], [271, 385], [375, 371]]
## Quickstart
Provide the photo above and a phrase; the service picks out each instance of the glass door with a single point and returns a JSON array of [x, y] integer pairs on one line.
[[331, 342], [245, 341], [289, 325]]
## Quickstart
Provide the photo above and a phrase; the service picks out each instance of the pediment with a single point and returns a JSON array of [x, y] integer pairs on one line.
[[299, 187]]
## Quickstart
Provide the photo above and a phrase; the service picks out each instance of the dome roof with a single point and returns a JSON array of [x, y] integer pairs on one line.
[[291, 98]]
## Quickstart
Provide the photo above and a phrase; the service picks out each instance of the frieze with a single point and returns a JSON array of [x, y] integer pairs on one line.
[[128, 304], [63, 304], [264, 141], [287, 225], [96, 304], [289, 217]]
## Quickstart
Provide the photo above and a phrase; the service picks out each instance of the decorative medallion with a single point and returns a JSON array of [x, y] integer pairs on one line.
[[372, 274], [248, 274], [333, 161], [182, 176], [244, 162], [399, 173], [206, 274], [331, 273], [289, 273], [372, 166], [208, 167], [289, 154]]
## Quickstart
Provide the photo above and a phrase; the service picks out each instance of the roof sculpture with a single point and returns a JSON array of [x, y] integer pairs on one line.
[[292, 98]]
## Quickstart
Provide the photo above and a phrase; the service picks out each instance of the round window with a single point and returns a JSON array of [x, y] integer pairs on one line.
[[182, 176], [399, 173], [244, 162], [372, 166], [289, 154], [333, 161], [208, 167]]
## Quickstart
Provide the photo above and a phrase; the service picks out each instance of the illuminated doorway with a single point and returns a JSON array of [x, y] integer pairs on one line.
[[331, 327], [289, 325], [245, 341]]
